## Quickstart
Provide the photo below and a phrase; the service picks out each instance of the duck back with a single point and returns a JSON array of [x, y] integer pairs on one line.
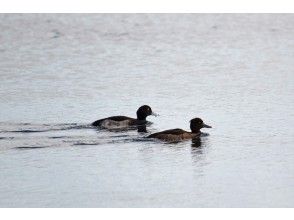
[[117, 119], [173, 135]]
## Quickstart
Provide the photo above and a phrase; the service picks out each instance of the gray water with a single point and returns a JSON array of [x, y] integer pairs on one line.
[[61, 72]]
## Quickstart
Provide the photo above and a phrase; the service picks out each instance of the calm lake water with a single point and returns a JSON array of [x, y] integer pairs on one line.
[[60, 72]]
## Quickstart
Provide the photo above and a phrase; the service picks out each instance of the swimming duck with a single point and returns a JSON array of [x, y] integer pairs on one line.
[[178, 134], [123, 121]]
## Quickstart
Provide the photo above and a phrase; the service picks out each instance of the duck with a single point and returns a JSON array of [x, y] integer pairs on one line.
[[117, 122], [175, 135]]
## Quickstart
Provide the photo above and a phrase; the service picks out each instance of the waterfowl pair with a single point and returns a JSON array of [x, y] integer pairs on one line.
[[142, 113]]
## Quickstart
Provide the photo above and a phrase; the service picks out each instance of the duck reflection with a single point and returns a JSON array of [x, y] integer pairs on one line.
[[196, 143], [199, 150], [142, 129]]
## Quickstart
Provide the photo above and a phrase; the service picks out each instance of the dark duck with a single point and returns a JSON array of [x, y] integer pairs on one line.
[[175, 135], [117, 122]]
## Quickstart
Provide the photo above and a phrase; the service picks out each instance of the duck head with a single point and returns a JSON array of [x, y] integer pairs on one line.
[[144, 111], [196, 124]]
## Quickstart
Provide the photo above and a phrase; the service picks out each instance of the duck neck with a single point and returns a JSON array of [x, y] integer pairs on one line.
[[141, 118], [196, 131]]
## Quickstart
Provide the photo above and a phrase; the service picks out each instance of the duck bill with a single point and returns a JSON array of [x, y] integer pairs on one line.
[[154, 114], [206, 126]]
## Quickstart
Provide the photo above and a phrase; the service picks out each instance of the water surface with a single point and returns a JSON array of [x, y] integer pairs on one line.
[[60, 72]]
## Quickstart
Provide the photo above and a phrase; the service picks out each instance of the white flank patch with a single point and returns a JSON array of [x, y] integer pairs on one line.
[[110, 124]]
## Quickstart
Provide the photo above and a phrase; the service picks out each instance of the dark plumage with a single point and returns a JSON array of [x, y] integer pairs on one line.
[[178, 134], [123, 121]]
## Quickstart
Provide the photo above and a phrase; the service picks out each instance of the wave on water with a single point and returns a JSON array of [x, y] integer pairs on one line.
[[33, 128], [24, 136], [30, 148]]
